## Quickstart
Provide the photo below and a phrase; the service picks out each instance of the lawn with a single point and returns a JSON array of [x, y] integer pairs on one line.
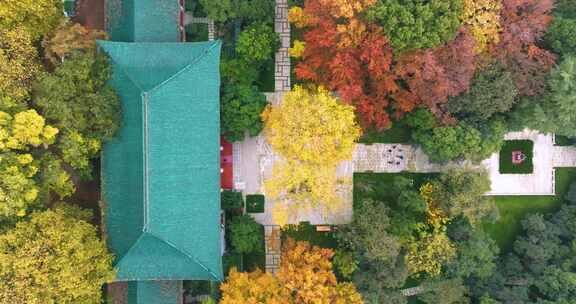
[[381, 181], [399, 133], [526, 148], [306, 232], [514, 208], [563, 141]]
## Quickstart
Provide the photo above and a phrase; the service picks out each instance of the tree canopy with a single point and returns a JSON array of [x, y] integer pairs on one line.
[[412, 24], [257, 43], [240, 111], [69, 37], [36, 17], [54, 257], [246, 234], [305, 276]]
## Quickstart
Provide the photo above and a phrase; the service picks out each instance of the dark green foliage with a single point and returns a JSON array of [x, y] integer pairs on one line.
[[492, 91], [445, 292], [249, 10], [77, 99], [257, 43], [561, 36], [415, 24], [465, 140], [255, 203], [460, 192], [506, 165], [231, 199], [245, 234], [196, 32], [565, 8], [240, 113], [560, 140], [231, 259], [542, 266], [307, 232], [555, 111], [398, 133]]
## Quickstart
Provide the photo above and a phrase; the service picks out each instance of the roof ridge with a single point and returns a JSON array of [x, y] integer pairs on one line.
[[213, 44], [186, 254], [119, 66], [130, 249]]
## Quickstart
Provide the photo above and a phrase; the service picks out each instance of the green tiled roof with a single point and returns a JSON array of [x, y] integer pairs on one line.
[[161, 174], [155, 292], [143, 20]]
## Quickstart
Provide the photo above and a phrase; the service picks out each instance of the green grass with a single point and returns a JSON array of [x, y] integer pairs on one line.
[[381, 181], [514, 208], [506, 165], [306, 232], [563, 141], [399, 133]]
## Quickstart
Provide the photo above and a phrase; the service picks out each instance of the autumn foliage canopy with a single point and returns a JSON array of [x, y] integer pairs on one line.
[[353, 56]]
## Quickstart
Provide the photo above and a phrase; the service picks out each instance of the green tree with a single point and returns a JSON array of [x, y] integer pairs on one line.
[[344, 263], [37, 17], [561, 36], [258, 43], [460, 192], [77, 99], [54, 257], [492, 91], [241, 109], [248, 10], [245, 234], [414, 24], [367, 235], [465, 140], [445, 292], [555, 111], [18, 188]]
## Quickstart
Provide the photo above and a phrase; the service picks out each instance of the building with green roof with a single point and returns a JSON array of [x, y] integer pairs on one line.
[[161, 173]]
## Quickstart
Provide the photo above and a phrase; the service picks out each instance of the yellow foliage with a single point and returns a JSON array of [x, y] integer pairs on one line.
[[70, 37], [25, 129], [297, 49], [36, 17], [348, 8], [483, 19], [351, 33], [305, 276], [18, 189], [19, 65], [297, 17], [312, 126], [436, 216], [429, 253], [53, 257]]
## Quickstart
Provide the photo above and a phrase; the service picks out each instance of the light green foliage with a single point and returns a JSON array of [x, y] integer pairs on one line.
[[78, 151], [257, 43], [249, 10], [54, 257], [37, 17], [344, 263], [80, 103], [53, 177], [461, 141], [18, 189], [429, 253], [24, 129], [246, 234], [556, 110], [460, 192], [415, 24], [241, 108], [492, 91]]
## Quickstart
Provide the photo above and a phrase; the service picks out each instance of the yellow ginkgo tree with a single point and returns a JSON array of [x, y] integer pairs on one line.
[[483, 19], [24, 129], [314, 133]]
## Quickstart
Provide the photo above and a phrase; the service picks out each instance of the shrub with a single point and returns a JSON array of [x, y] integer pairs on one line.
[[246, 235], [344, 263], [255, 203], [506, 165], [257, 43], [231, 199]]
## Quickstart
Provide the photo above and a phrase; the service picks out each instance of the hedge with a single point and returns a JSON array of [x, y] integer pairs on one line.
[[231, 199], [255, 203]]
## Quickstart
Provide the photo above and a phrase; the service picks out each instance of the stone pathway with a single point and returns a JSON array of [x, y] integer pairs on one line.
[[282, 60], [273, 245], [564, 156]]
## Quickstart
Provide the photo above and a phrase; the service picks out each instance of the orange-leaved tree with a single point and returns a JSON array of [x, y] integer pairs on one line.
[[305, 277]]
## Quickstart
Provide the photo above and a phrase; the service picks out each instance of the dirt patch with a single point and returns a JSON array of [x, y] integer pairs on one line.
[[90, 13], [87, 194]]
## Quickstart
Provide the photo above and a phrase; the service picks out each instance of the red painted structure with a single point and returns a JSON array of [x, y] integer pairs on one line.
[[226, 165], [181, 20]]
